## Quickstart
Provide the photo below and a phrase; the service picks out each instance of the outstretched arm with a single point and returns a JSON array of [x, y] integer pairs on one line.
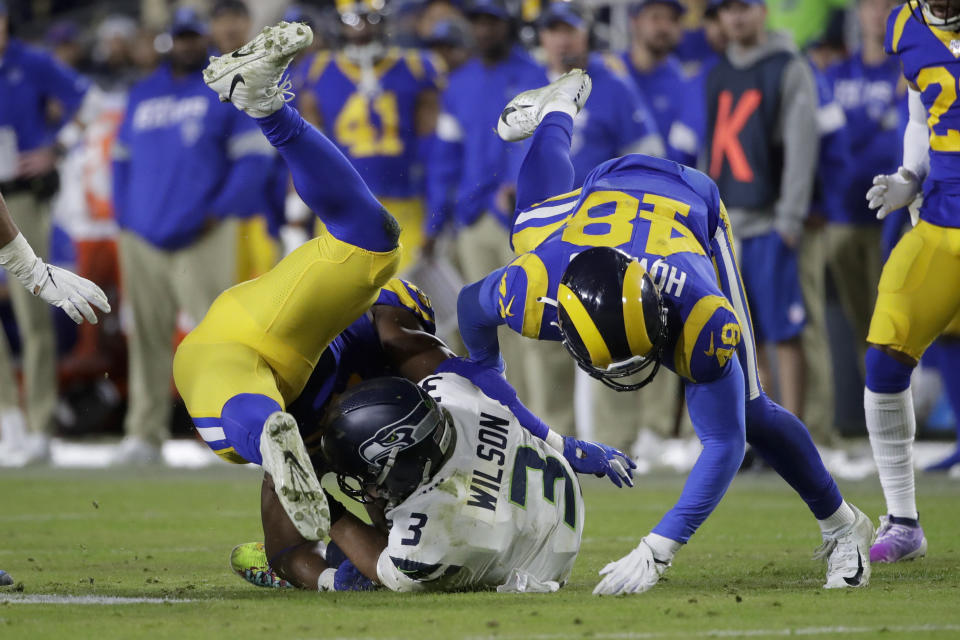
[[717, 412], [56, 286]]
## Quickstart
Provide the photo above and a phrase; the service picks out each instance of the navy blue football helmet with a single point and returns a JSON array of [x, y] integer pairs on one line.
[[387, 434], [612, 317]]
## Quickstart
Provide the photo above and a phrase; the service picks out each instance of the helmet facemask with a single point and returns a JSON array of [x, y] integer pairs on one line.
[[613, 374], [942, 14]]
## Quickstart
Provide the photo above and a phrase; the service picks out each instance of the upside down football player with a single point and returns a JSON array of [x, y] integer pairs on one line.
[[636, 269], [256, 352], [918, 297]]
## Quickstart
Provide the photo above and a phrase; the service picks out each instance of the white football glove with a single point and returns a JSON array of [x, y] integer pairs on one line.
[[893, 191], [636, 572], [56, 286]]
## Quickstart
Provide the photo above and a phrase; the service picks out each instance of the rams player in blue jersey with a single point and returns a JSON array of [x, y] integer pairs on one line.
[[257, 351], [379, 105], [632, 271], [918, 298]]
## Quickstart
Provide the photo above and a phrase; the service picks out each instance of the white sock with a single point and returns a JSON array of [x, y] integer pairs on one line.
[[892, 426], [840, 519], [563, 105]]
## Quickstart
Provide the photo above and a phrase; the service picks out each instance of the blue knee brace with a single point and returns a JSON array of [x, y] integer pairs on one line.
[[884, 374]]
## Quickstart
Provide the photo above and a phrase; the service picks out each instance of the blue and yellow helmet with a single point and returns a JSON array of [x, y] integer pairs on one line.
[[612, 317]]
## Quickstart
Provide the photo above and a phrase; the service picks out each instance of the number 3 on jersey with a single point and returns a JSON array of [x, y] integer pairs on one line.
[[355, 128], [415, 529]]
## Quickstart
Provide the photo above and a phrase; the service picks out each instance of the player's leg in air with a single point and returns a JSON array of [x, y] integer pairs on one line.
[[258, 344]]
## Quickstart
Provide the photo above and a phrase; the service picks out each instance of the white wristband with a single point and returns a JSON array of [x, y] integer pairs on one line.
[[663, 548], [555, 440], [18, 258]]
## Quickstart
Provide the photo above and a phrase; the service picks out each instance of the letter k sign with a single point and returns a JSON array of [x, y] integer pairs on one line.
[[726, 134]]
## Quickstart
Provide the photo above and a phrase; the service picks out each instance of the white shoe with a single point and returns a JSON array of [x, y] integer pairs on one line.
[[524, 113], [13, 436], [848, 554], [136, 451], [33, 449], [250, 76], [294, 480]]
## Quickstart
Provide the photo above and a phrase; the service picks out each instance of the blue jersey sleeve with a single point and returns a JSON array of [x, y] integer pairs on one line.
[[895, 28], [478, 319], [60, 82], [406, 295]]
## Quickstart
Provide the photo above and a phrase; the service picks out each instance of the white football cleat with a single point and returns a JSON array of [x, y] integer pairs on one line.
[[294, 480], [250, 76], [848, 554], [524, 113]]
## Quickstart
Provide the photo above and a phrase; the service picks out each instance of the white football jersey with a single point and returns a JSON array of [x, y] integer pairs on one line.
[[504, 501]]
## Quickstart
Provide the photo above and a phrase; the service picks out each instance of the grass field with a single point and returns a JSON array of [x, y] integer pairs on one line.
[[166, 534]]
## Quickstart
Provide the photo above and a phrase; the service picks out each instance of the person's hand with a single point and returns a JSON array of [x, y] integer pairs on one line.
[[893, 191], [70, 292], [636, 572], [599, 459], [37, 162]]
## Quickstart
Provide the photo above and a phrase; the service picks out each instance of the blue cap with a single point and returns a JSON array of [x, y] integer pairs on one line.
[[447, 32], [637, 7], [495, 8], [716, 4], [62, 32], [187, 20], [568, 12]]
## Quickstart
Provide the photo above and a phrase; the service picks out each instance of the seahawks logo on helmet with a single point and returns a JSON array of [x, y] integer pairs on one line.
[[377, 449]]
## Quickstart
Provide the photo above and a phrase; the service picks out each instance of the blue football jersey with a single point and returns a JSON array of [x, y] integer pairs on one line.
[[930, 59], [871, 101], [662, 213], [374, 124]]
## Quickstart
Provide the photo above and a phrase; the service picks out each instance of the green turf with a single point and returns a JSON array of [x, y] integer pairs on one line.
[[168, 534]]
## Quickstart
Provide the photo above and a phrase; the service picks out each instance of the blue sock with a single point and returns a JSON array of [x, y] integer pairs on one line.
[[546, 170], [329, 184], [242, 421], [785, 444], [884, 374]]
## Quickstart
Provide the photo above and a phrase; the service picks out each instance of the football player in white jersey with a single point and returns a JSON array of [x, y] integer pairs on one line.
[[473, 499]]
